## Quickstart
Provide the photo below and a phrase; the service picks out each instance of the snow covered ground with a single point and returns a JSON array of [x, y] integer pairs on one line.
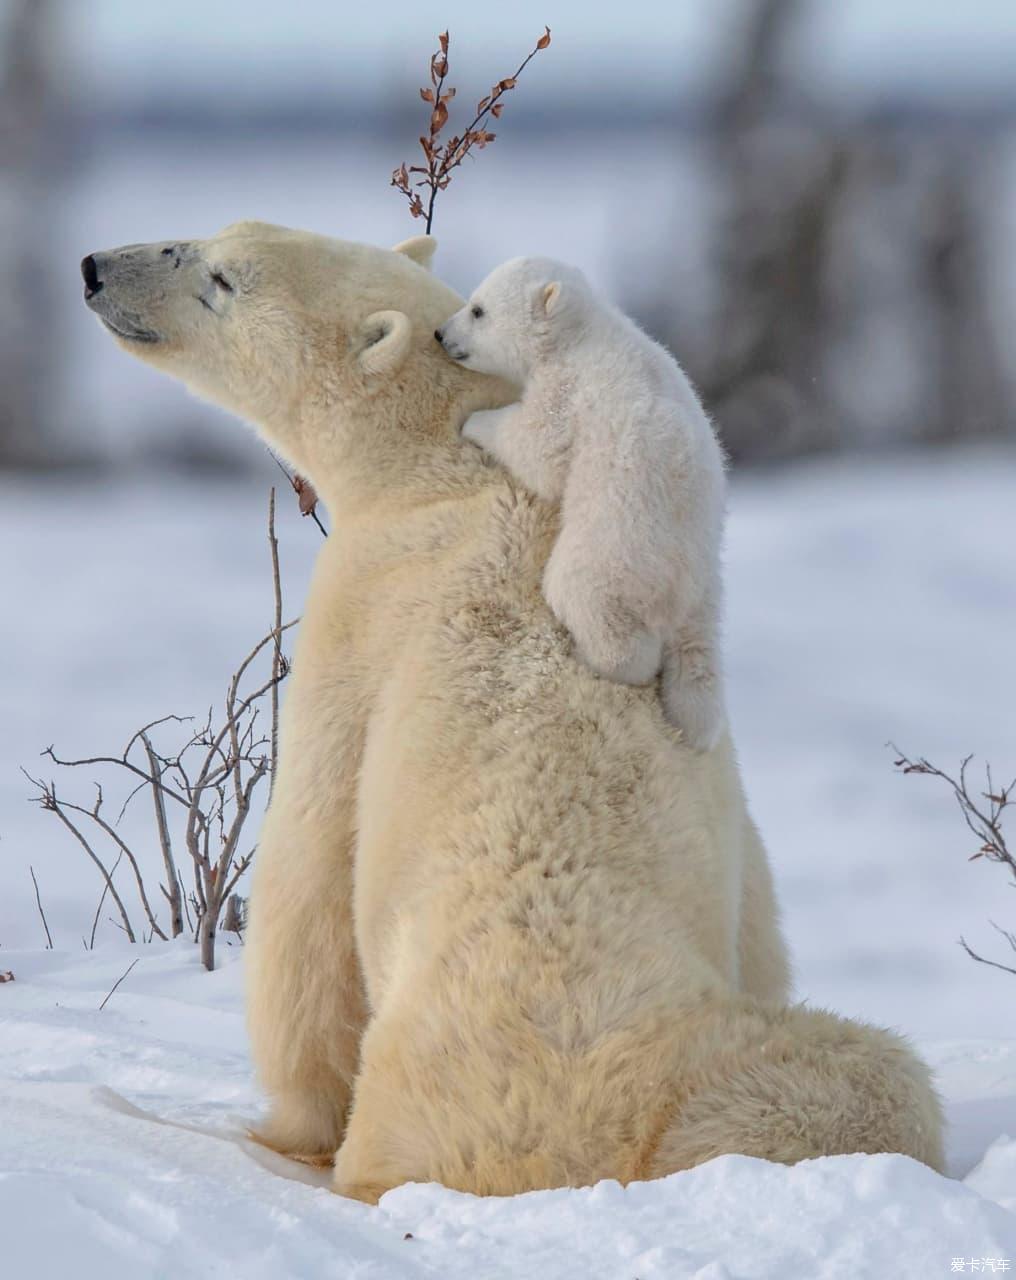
[[122, 1154], [868, 600]]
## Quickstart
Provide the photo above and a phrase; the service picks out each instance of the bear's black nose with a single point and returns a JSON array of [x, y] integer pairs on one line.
[[437, 334], [91, 277]]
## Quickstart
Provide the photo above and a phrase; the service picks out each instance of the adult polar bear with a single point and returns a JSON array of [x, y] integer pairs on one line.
[[507, 932]]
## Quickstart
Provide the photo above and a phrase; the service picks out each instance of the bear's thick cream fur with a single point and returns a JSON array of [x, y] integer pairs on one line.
[[507, 932]]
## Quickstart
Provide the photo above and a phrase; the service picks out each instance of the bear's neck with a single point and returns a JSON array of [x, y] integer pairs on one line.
[[402, 451]]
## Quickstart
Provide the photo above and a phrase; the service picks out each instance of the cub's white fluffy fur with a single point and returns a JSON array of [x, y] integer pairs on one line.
[[609, 426]]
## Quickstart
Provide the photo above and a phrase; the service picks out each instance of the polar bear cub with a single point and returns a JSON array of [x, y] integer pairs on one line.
[[608, 425]]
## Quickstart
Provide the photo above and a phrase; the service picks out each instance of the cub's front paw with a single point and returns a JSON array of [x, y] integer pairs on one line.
[[481, 427]]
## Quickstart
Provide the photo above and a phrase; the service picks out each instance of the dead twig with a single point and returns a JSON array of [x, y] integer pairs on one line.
[[117, 983], [982, 819], [277, 658], [171, 889], [38, 903], [49, 801], [305, 492], [982, 813], [125, 852], [995, 964], [98, 909]]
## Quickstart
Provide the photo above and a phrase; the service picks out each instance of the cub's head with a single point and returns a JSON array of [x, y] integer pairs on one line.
[[520, 312], [326, 345]]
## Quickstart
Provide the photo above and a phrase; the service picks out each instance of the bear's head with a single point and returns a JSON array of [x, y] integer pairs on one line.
[[523, 312], [325, 345]]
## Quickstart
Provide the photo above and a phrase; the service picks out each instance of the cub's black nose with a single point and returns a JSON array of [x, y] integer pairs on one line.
[[91, 277], [437, 334]]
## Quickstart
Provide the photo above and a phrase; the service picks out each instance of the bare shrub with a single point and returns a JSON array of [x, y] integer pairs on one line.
[[982, 812], [208, 783]]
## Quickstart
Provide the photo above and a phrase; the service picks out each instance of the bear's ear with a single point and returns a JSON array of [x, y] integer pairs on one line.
[[551, 296], [419, 248], [384, 338]]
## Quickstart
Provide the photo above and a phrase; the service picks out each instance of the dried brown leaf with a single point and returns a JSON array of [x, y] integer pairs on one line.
[[443, 41], [496, 110], [306, 494], [427, 95], [438, 119], [544, 40]]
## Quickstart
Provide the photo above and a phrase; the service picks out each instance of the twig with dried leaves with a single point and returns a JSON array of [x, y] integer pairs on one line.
[[445, 157], [982, 813], [306, 494]]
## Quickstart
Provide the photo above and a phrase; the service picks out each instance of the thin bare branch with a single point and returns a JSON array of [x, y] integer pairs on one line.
[[186, 903], [47, 798], [125, 852], [239, 868], [995, 964], [98, 909], [115, 760], [117, 983], [170, 889], [154, 724], [273, 544], [38, 903], [984, 821]]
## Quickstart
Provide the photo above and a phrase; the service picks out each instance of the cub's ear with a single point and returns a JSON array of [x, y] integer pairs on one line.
[[384, 342], [551, 296], [419, 248]]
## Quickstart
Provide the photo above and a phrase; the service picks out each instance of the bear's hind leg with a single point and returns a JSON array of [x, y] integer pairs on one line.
[[792, 1084]]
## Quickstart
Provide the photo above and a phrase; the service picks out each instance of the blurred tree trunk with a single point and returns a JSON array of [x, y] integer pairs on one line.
[[972, 395], [852, 300], [27, 336], [764, 377]]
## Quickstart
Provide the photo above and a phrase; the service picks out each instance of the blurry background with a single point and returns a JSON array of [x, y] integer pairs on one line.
[[811, 204]]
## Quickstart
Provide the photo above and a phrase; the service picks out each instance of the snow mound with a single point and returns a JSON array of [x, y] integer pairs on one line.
[[122, 1153]]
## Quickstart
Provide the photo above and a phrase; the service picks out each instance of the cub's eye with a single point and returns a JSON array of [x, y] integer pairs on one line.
[[477, 312], [219, 279]]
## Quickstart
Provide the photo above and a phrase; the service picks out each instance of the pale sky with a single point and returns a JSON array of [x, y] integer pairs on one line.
[[598, 48]]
